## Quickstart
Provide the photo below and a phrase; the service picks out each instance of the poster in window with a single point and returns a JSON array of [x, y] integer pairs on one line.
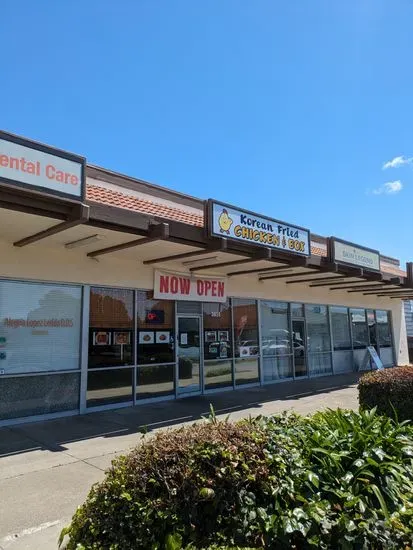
[[223, 350], [101, 338], [121, 338], [146, 337], [223, 335], [210, 336], [162, 337], [244, 351]]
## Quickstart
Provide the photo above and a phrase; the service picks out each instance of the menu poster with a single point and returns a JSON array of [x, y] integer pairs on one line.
[[101, 338], [121, 338], [162, 337], [146, 337], [210, 336]]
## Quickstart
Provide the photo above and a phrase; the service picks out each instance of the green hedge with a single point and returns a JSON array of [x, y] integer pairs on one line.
[[390, 390], [338, 479]]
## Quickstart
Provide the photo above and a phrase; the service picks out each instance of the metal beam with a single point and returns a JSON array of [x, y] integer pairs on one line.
[[299, 281], [262, 270], [156, 233], [213, 248], [286, 275], [380, 288], [327, 281], [395, 293], [258, 256], [390, 291], [401, 297], [342, 282], [330, 279], [81, 218], [288, 265]]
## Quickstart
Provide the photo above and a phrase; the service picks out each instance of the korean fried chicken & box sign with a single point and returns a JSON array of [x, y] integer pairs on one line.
[[242, 225]]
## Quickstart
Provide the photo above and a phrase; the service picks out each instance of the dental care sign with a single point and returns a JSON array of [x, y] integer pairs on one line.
[[348, 253], [241, 225], [31, 165], [180, 286]]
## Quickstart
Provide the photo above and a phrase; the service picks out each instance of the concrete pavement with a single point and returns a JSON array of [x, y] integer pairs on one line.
[[47, 468]]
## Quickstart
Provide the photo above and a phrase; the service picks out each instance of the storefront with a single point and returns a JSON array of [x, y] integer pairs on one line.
[[115, 292]]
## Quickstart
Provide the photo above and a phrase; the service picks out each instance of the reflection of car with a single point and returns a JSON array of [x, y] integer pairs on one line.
[[281, 347]]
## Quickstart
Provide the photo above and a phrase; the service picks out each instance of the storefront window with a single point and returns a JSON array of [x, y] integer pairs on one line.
[[359, 328], [40, 327], [217, 331], [275, 341], [275, 331], [245, 340], [371, 321], [383, 329], [318, 333], [156, 325], [245, 327], [341, 328], [111, 327], [217, 374], [109, 386]]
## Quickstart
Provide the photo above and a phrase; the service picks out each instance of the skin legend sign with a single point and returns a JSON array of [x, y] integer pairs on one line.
[[351, 254]]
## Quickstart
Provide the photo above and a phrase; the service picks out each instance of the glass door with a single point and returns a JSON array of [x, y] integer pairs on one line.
[[299, 347], [188, 354]]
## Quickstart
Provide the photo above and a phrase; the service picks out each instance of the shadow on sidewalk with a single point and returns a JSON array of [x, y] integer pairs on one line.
[[52, 435]]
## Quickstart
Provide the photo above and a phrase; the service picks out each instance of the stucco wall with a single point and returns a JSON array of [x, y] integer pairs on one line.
[[40, 262]]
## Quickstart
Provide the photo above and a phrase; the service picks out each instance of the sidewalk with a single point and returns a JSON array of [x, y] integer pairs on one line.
[[47, 468]]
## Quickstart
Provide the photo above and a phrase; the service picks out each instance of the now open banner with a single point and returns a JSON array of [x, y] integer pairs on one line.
[[181, 286]]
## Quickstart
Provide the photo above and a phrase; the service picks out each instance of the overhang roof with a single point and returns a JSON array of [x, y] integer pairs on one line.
[[179, 233]]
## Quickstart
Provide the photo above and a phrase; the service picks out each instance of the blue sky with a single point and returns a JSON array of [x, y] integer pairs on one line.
[[286, 107]]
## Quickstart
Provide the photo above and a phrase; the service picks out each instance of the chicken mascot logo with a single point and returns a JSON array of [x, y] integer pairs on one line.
[[225, 222]]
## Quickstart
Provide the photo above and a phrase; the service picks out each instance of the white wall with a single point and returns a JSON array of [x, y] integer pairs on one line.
[[39, 262]]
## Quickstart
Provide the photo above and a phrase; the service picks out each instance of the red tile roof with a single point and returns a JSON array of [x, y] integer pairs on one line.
[[393, 270], [317, 251], [121, 200]]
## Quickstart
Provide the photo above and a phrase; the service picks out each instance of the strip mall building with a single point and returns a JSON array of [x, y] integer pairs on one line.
[[115, 292]]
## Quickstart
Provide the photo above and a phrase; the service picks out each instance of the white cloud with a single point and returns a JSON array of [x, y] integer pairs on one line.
[[397, 162], [389, 188]]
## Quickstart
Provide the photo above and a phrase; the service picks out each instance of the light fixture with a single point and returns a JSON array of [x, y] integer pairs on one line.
[[85, 241]]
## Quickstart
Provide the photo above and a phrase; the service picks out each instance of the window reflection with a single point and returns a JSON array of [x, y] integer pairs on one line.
[[245, 327], [371, 321], [111, 325], [246, 371], [359, 328], [154, 381], [109, 386], [275, 334], [383, 329], [341, 328], [217, 374], [317, 328]]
